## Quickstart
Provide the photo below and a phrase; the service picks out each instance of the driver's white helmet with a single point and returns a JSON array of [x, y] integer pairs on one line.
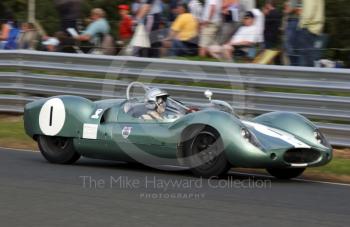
[[152, 95]]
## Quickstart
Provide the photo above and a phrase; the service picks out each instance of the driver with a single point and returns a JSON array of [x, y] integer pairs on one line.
[[155, 102]]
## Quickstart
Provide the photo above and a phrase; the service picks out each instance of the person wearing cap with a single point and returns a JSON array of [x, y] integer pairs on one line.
[[246, 36], [125, 25], [51, 44]]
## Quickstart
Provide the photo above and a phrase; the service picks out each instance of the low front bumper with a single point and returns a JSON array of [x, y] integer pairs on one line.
[[279, 158]]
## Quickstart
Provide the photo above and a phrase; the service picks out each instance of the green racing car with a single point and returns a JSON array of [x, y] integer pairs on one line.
[[157, 130]]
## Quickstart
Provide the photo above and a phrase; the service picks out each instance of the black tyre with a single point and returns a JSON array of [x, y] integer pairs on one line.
[[285, 174], [205, 154], [58, 149]]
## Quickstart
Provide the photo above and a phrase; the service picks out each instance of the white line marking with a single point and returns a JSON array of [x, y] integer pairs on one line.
[[17, 149]]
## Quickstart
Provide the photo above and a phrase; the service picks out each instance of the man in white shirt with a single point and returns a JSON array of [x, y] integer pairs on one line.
[[245, 36], [210, 23]]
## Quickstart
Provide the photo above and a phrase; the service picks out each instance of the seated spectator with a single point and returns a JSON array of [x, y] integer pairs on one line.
[[50, 44], [66, 43], [246, 36], [9, 35], [93, 35], [125, 25], [273, 19], [28, 38], [183, 33]]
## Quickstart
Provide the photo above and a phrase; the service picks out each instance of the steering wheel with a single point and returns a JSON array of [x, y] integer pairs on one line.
[[131, 85]]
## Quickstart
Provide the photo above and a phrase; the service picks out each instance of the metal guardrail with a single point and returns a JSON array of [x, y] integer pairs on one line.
[[251, 89]]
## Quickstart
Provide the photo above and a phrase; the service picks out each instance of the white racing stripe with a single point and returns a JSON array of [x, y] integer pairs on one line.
[[276, 133]]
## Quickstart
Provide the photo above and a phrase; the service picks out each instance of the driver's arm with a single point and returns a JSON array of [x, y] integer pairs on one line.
[[146, 117]]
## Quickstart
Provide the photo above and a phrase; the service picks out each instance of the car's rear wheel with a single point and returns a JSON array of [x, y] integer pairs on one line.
[[286, 174], [58, 149], [205, 154]]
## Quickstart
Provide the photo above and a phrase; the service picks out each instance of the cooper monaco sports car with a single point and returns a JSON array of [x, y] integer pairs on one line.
[[157, 130]]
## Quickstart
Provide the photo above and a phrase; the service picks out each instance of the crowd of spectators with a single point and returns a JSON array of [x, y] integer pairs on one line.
[[222, 29]]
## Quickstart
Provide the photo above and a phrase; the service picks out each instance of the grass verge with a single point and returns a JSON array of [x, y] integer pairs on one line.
[[12, 135]]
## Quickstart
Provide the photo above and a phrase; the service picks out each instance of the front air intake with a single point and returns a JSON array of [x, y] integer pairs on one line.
[[298, 156]]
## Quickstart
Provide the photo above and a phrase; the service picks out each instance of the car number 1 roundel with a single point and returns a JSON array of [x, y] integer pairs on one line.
[[52, 117]]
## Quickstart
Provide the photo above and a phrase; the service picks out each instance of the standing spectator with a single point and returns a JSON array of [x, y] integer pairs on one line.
[[231, 16], [259, 23], [69, 12], [311, 23], [172, 9], [211, 20], [273, 19], [195, 8], [96, 30], [135, 7], [125, 25], [150, 14], [292, 12], [183, 33], [28, 38]]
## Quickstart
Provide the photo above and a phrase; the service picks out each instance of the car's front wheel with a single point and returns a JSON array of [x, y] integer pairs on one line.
[[285, 174], [205, 154], [58, 150]]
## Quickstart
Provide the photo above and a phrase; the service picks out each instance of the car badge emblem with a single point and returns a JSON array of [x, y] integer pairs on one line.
[[126, 132]]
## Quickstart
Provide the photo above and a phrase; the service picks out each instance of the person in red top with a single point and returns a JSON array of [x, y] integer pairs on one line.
[[125, 25]]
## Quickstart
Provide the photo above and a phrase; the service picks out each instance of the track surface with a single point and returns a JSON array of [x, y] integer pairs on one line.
[[36, 193]]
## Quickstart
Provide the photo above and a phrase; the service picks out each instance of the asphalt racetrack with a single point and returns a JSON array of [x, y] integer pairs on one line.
[[34, 192]]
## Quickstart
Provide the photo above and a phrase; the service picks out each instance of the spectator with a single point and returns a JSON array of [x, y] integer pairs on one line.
[[184, 31], [196, 9], [231, 16], [125, 25], [94, 33], [311, 23], [135, 7], [259, 23], [246, 36], [210, 23], [292, 12], [150, 14], [69, 12], [66, 43], [273, 19], [9, 35], [172, 9], [28, 38], [5, 30], [51, 44]]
